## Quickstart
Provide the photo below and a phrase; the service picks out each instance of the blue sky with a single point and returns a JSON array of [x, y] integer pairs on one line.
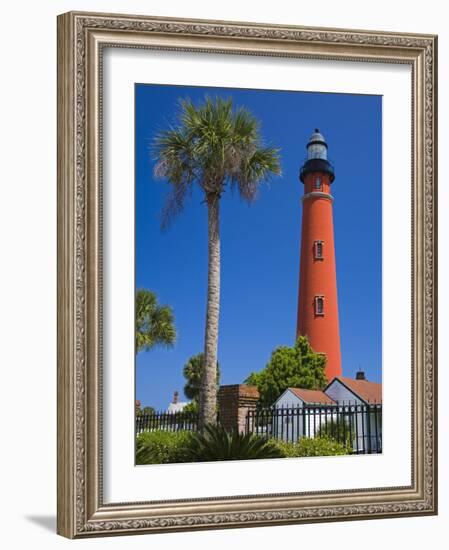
[[260, 242]]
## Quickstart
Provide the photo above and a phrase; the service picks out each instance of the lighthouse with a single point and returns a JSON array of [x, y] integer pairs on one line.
[[318, 302]]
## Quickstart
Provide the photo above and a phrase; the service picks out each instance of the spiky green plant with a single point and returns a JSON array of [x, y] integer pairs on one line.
[[215, 443]]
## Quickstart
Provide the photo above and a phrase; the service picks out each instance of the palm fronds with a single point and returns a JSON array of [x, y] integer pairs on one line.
[[215, 443], [212, 145], [154, 322]]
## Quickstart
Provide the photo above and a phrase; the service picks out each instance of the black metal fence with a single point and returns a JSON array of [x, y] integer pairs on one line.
[[166, 421], [356, 425]]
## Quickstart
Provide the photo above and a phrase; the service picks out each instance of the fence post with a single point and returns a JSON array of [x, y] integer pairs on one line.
[[235, 401]]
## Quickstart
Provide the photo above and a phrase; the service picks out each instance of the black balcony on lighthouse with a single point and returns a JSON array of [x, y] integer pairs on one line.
[[317, 157]]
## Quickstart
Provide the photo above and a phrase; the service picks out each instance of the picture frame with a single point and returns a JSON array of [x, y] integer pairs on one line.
[[82, 39]]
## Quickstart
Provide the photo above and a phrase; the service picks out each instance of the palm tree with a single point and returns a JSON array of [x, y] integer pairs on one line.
[[154, 322], [214, 147], [193, 373]]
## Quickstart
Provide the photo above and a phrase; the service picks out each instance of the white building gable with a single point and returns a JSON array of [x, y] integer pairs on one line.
[[340, 393], [355, 390], [312, 411], [288, 399]]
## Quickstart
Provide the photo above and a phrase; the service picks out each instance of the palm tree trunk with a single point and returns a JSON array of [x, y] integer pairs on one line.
[[208, 395]]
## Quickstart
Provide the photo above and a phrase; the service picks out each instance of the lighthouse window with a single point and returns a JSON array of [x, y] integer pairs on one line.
[[319, 305], [318, 183], [318, 250]]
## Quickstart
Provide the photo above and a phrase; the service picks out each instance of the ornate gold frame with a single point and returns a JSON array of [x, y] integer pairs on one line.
[[81, 37]]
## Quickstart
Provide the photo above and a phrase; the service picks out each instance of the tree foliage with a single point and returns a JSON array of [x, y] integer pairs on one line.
[[193, 372], [144, 410], [154, 322], [191, 408], [289, 367], [212, 145], [148, 410]]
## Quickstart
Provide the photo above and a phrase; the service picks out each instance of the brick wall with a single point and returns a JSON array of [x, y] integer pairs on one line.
[[235, 401]]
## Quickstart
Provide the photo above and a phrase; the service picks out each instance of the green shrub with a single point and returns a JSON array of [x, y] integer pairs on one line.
[[192, 408], [322, 446], [161, 447], [335, 429], [218, 444]]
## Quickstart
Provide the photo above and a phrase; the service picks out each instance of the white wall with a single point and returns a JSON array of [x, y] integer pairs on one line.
[[28, 274], [287, 427], [341, 394], [288, 399]]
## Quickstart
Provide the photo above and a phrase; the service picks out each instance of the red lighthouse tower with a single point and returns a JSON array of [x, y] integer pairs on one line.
[[318, 304]]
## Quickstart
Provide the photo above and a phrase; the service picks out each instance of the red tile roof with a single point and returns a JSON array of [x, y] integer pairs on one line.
[[312, 396], [368, 391]]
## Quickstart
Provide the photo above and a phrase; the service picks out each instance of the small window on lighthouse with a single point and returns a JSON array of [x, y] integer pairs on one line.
[[318, 250], [318, 183], [319, 305]]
